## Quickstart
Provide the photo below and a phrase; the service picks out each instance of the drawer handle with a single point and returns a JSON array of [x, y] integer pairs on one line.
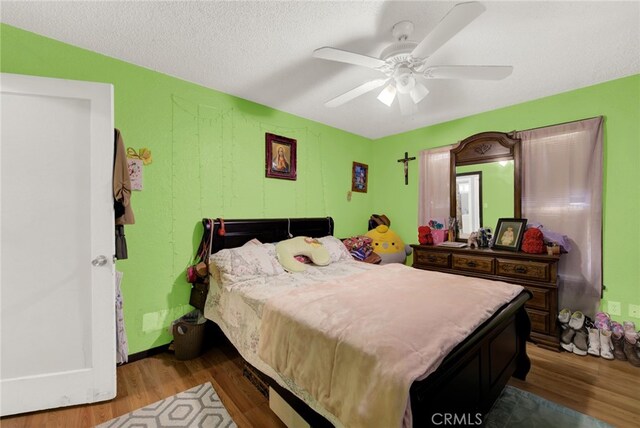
[[521, 269], [471, 264], [432, 258]]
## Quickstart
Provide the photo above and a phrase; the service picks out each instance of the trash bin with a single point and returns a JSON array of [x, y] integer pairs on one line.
[[188, 335]]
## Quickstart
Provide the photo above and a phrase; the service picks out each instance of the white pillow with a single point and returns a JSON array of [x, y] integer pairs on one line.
[[336, 248], [247, 262]]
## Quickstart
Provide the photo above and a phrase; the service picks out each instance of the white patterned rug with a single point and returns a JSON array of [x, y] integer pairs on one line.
[[196, 407]]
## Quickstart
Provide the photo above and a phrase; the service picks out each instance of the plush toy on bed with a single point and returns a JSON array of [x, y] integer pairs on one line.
[[301, 246], [388, 245]]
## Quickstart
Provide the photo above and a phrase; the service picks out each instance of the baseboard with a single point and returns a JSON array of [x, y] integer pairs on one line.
[[148, 353]]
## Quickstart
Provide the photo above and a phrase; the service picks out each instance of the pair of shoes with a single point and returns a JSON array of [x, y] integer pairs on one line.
[[579, 344], [600, 343], [603, 321], [574, 337]]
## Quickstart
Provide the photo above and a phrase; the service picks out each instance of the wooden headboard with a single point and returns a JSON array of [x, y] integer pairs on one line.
[[238, 232]]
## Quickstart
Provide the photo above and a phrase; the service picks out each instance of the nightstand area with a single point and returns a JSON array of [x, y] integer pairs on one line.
[[538, 273]]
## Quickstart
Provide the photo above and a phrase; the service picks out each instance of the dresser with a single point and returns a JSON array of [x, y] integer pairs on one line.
[[538, 273]]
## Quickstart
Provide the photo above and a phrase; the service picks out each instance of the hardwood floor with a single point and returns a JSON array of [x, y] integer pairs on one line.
[[607, 390]]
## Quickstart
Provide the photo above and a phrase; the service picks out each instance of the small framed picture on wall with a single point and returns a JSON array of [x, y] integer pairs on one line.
[[359, 177], [509, 233], [280, 157]]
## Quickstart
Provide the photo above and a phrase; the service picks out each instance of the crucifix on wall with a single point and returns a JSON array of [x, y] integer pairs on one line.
[[406, 161]]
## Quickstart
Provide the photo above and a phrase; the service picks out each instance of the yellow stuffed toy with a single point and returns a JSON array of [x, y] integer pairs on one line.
[[388, 245]]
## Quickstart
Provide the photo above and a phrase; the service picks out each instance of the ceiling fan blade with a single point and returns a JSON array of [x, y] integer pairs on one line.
[[387, 95], [459, 17], [474, 72], [333, 54], [418, 92], [407, 106], [355, 92]]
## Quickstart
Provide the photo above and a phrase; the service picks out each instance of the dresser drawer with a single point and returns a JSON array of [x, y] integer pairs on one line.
[[541, 298], [539, 321], [523, 269], [433, 259], [472, 263]]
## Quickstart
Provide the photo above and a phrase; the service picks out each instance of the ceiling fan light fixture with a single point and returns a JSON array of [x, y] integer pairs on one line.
[[405, 81], [418, 92], [387, 95]]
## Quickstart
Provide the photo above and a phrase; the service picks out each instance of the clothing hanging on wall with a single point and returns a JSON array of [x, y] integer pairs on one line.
[[121, 195]]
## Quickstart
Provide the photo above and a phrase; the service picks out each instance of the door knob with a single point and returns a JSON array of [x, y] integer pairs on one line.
[[99, 261]]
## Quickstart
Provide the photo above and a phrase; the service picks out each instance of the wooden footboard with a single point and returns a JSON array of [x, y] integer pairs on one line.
[[471, 377]]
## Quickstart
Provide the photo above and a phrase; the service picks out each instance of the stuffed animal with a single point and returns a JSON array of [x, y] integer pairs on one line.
[[532, 241], [472, 240], [424, 235], [388, 245]]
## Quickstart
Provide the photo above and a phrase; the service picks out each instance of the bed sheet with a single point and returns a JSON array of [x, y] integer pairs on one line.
[[237, 310]]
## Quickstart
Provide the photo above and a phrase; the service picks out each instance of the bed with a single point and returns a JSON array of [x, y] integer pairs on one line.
[[467, 380]]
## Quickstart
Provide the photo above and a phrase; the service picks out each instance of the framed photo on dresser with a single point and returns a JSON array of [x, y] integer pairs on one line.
[[509, 233]]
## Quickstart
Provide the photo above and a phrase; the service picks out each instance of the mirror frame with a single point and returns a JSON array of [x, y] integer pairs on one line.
[[483, 148]]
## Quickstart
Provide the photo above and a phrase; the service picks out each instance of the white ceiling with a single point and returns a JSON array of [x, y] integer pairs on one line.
[[261, 51]]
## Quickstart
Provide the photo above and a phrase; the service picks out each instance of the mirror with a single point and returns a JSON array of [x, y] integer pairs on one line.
[[485, 181], [484, 194], [469, 201]]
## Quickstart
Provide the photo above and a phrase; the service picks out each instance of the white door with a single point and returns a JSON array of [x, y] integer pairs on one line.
[[57, 298]]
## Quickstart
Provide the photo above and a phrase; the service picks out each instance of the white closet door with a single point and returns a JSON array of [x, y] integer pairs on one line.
[[57, 330]]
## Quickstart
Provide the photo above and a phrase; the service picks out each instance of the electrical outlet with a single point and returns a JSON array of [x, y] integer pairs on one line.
[[634, 311], [614, 308]]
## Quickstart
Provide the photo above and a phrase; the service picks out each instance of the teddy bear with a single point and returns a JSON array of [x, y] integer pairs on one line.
[[388, 245], [424, 235]]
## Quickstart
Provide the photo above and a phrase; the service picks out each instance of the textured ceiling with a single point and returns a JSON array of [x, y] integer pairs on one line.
[[261, 51]]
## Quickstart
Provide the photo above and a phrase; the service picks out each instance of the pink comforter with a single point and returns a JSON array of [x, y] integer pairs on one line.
[[358, 344]]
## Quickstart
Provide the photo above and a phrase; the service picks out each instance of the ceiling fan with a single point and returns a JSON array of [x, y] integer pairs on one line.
[[404, 63]]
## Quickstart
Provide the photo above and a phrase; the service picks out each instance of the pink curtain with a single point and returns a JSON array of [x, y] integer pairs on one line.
[[562, 190], [433, 200]]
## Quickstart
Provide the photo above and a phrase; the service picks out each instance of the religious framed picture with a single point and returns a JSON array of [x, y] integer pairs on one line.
[[509, 233], [359, 177], [280, 156]]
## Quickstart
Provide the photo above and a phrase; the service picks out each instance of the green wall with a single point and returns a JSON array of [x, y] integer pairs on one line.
[[208, 161], [618, 101]]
